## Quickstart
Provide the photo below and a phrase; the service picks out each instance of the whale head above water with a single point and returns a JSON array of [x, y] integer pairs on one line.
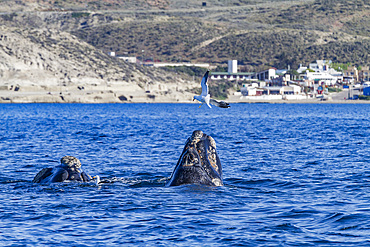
[[199, 162], [68, 170]]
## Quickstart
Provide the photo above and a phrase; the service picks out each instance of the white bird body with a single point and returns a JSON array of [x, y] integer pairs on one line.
[[205, 97]]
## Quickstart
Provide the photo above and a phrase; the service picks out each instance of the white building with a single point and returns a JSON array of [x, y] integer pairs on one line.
[[254, 90], [320, 65], [248, 91], [232, 76], [281, 80], [232, 66], [307, 83], [322, 77], [322, 73], [301, 69], [232, 73], [266, 74], [295, 88], [129, 59]]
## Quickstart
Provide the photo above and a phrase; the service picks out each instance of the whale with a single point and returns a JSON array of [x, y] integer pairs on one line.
[[68, 170], [199, 162]]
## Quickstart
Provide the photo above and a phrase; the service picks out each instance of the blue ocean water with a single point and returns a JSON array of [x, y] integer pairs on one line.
[[294, 174]]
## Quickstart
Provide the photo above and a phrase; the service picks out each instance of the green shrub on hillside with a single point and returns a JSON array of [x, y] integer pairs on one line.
[[364, 97], [334, 90], [189, 70], [80, 14], [260, 34], [219, 89]]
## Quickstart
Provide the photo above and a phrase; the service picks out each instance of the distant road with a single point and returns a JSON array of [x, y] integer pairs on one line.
[[184, 9], [341, 95]]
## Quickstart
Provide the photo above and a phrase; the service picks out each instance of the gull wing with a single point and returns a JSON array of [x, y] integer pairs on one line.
[[221, 104], [204, 84], [207, 100]]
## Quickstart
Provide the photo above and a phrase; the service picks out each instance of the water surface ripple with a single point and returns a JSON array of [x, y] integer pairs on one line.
[[295, 175]]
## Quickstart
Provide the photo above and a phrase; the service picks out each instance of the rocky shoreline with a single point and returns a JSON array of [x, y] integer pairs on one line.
[[49, 66], [127, 94], [112, 93]]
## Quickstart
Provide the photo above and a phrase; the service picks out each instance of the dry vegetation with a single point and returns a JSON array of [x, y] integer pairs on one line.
[[257, 33], [170, 40]]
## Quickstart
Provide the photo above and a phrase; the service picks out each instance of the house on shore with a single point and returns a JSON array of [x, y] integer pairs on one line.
[[322, 77], [320, 73], [350, 75], [232, 73], [241, 76], [364, 74], [128, 59], [266, 74], [353, 74], [250, 90]]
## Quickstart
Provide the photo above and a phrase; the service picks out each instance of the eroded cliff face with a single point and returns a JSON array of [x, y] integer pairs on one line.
[[48, 65], [50, 5], [39, 55]]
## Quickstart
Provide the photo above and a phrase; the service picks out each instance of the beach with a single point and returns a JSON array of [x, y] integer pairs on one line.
[[132, 93]]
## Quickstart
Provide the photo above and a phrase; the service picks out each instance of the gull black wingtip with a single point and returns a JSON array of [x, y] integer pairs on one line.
[[224, 104]]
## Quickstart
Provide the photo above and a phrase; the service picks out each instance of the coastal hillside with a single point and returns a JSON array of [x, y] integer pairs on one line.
[[65, 69], [65, 43], [258, 36], [257, 33]]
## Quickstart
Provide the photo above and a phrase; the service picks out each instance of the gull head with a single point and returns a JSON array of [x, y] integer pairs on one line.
[[197, 97]]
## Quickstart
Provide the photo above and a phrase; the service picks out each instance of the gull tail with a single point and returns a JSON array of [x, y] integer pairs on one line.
[[221, 104]]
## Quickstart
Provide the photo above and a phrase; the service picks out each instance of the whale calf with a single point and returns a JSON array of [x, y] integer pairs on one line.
[[68, 170]]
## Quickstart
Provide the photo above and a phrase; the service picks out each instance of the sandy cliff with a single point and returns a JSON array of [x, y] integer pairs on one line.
[[41, 65]]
